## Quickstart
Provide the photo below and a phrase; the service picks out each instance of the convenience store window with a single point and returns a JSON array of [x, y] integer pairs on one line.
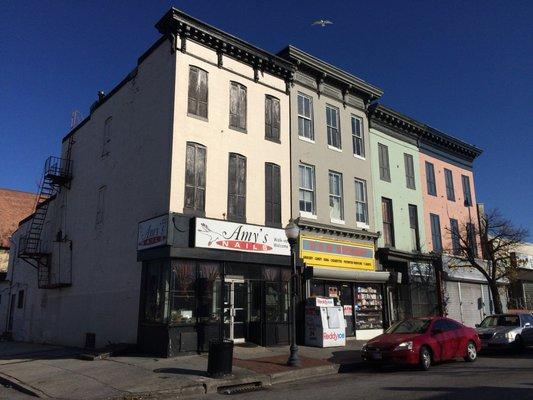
[[368, 306]]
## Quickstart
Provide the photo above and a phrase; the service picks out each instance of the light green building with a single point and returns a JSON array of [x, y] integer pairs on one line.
[[399, 216]]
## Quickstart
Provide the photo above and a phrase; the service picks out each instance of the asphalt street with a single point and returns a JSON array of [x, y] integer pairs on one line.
[[498, 376]]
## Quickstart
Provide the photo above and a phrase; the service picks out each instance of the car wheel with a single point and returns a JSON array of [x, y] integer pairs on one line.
[[518, 344], [425, 359], [471, 352]]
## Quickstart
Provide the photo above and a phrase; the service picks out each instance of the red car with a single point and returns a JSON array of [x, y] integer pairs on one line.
[[422, 341]]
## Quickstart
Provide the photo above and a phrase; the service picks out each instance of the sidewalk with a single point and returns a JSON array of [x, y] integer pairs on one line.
[[56, 372]]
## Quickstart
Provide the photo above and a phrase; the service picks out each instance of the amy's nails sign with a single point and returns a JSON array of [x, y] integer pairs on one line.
[[224, 235]]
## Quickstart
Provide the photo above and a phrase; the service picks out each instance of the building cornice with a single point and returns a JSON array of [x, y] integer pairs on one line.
[[380, 115], [318, 228], [176, 23], [324, 72]]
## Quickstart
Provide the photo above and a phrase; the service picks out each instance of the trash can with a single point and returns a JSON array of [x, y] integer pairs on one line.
[[220, 360]]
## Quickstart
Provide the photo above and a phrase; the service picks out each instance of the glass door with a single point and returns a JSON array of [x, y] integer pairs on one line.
[[235, 301]]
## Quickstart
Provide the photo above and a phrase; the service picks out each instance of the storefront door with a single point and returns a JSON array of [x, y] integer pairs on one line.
[[235, 295]]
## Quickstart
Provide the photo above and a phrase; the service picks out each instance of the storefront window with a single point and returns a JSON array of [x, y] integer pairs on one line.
[[368, 306], [156, 292], [182, 293], [276, 294], [208, 292], [255, 301]]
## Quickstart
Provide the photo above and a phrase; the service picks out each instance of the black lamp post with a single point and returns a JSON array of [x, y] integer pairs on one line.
[[292, 231]]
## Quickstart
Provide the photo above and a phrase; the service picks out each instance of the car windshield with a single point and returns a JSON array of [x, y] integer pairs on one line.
[[500, 320], [410, 326]]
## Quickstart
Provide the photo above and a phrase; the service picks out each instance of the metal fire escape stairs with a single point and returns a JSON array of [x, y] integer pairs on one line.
[[57, 174]]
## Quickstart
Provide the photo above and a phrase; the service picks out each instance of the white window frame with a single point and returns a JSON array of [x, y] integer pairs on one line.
[[362, 224], [309, 118], [355, 137], [311, 190], [337, 196], [331, 127]]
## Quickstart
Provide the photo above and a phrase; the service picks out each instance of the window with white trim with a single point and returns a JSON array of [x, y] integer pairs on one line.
[[305, 117], [357, 136], [307, 189], [336, 211], [333, 127], [361, 203]]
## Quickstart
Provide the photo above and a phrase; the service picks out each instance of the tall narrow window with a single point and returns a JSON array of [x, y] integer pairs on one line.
[[336, 212], [413, 225], [332, 126], [305, 117], [237, 106], [272, 118], [358, 137], [466, 190], [409, 171], [448, 180], [100, 205], [237, 188], [361, 204], [388, 222], [435, 232], [197, 101], [106, 144], [272, 194], [471, 236], [307, 189], [454, 230], [195, 171], [383, 157], [430, 179]]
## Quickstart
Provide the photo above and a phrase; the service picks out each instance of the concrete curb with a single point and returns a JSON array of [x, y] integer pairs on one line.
[[14, 383], [298, 374]]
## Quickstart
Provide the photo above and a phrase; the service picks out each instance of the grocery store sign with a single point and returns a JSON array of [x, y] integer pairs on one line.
[[319, 252], [224, 235]]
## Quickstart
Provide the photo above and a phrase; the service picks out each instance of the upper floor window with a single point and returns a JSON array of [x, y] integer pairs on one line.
[[272, 194], [361, 202], [409, 171], [106, 144], [456, 241], [388, 222], [383, 158], [272, 118], [435, 232], [336, 211], [237, 188], [358, 137], [466, 190], [197, 97], [430, 179], [448, 180], [471, 238], [195, 171], [237, 106], [332, 126], [413, 225], [305, 117], [306, 189]]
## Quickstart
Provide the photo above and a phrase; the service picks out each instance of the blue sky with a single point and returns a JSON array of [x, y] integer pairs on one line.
[[465, 68]]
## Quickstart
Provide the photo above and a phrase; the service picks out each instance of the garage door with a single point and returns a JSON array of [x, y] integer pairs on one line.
[[471, 303], [453, 305]]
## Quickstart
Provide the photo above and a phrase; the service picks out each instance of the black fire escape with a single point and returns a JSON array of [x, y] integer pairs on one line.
[[57, 174]]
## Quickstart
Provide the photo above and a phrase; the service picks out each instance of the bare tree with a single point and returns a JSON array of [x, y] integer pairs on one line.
[[498, 238]]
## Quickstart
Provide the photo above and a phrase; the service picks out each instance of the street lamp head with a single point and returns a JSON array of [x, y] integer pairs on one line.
[[292, 230]]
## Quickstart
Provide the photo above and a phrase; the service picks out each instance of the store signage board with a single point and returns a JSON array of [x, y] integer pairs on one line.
[[225, 235], [153, 233], [320, 252]]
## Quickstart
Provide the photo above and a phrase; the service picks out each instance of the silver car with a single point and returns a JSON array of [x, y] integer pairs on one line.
[[506, 331]]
